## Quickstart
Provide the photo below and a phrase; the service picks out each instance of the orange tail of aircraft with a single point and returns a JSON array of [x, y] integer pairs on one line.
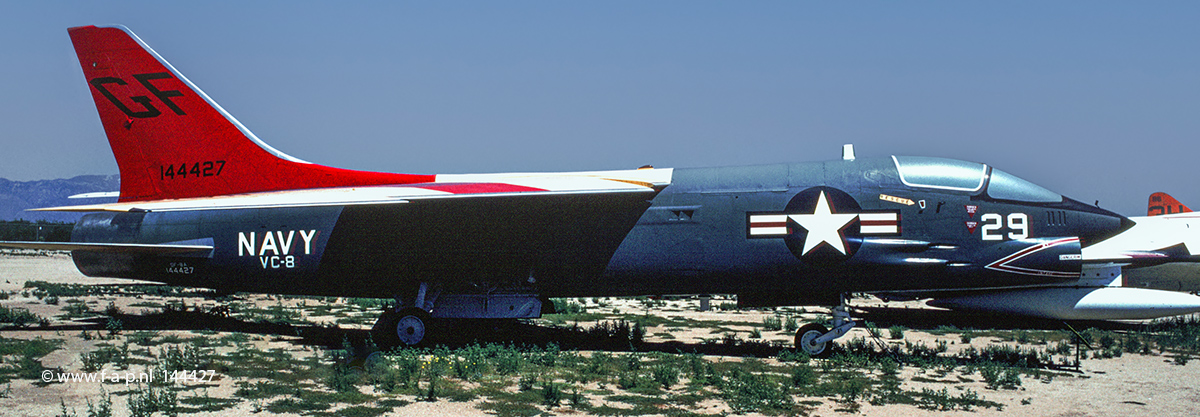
[[1162, 203], [172, 141]]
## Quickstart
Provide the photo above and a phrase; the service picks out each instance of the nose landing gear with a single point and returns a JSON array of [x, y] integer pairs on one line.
[[814, 339]]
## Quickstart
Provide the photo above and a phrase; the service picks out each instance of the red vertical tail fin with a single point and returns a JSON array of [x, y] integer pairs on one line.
[[172, 141], [1162, 203]]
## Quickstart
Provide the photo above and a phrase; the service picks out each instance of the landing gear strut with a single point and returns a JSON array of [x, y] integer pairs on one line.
[[814, 339]]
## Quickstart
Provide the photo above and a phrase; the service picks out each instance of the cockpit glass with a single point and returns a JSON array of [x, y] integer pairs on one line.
[[948, 174], [1005, 186]]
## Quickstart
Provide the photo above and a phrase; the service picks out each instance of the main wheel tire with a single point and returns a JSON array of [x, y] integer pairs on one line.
[[804, 340], [406, 327], [411, 326]]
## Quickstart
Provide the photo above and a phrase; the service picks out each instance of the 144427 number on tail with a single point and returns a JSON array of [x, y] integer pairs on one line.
[[195, 170]]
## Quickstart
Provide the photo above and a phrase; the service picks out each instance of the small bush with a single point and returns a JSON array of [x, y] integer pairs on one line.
[[506, 359], [567, 306], [547, 357], [997, 377], [146, 402], [941, 400], [772, 323], [803, 375], [793, 355], [114, 326], [633, 380], [701, 372], [102, 408], [527, 382], [633, 362], [619, 330], [184, 358], [873, 330], [552, 394], [665, 375], [746, 392], [94, 361], [18, 316], [77, 308], [340, 377], [790, 324], [887, 366]]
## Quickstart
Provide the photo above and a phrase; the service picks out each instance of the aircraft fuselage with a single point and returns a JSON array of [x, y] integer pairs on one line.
[[775, 234]]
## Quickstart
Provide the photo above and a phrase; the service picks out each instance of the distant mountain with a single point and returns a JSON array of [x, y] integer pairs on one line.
[[17, 196]]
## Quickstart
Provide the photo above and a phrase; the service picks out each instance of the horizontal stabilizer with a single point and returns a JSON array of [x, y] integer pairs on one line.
[[163, 248], [102, 194], [1151, 241]]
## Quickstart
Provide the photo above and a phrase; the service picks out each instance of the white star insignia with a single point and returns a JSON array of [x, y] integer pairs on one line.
[[823, 226]]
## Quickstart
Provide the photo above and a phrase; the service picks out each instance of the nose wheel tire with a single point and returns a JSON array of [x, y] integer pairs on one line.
[[805, 337]]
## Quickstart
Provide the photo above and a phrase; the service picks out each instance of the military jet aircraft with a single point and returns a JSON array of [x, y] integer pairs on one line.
[[205, 203]]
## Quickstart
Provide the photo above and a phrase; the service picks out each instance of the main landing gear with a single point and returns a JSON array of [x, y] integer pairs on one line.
[[814, 338], [406, 326], [429, 311]]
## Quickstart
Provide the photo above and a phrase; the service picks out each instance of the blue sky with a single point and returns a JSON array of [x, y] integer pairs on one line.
[[1096, 100]]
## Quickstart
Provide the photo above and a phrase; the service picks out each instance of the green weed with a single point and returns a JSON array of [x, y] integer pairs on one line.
[[18, 317], [746, 392], [772, 323]]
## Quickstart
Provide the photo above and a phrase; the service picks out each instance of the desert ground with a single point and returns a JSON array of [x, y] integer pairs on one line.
[[273, 355]]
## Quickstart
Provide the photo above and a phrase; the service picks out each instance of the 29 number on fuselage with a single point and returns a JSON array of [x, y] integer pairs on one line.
[[993, 223]]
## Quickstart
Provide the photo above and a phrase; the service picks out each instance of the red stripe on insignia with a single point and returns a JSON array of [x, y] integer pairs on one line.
[[479, 188], [878, 222], [768, 224]]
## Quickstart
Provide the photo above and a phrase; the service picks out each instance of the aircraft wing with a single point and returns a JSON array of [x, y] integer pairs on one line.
[[648, 181], [163, 248]]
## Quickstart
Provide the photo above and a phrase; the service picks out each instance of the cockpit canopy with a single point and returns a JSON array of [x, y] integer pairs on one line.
[[969, 177]]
